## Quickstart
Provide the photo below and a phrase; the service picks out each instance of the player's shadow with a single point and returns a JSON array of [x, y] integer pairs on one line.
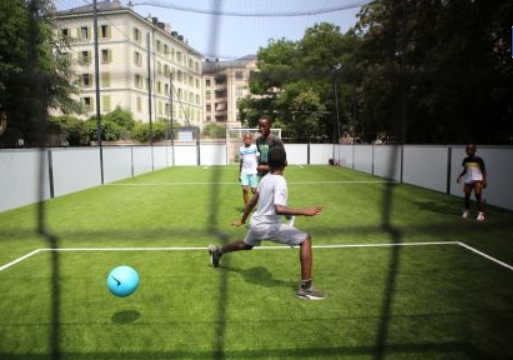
[[260, 276], [125, 317]]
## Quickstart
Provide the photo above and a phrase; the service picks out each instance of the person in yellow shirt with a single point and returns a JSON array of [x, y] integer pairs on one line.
[[474, 173]]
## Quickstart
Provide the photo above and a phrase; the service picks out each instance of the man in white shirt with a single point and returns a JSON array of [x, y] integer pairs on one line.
[[266, 224]]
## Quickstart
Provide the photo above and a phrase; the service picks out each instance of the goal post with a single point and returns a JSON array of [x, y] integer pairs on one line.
[[234, 141]]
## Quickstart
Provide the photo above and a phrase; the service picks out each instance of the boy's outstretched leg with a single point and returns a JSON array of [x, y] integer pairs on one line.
[[216, 252], [307, 290]]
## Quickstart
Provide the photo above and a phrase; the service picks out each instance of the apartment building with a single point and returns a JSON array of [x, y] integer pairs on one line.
[[225, 82], [144, 66]]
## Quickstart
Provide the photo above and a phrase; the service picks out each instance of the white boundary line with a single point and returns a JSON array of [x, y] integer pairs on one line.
[[20, 259], [233, 183], [281, 247], [486, 256]]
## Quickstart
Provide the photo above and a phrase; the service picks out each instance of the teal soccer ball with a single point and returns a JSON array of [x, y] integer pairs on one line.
[[123, 281]]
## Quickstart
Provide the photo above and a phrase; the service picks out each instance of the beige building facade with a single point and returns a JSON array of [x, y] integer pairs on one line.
[[144, 67], [225, 83]]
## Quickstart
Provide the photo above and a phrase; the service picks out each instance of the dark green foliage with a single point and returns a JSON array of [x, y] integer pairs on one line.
[[34, 70], [214, 131]]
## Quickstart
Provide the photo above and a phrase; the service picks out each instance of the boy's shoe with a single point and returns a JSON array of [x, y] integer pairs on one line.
[[480, 216], [310, 294], [465, 214], [290, 220], [215, 255]]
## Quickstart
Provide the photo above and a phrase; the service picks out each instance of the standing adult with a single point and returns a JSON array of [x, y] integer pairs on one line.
[[265, 142]]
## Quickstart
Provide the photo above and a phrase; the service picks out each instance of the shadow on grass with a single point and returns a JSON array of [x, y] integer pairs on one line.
[[449, 350], [126, 317], [260, 276]]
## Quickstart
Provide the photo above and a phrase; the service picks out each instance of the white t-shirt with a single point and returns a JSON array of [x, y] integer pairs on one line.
[[273, 191], [249, 156]]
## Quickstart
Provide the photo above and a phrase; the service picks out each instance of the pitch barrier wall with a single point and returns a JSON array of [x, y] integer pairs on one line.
[[30, 175]]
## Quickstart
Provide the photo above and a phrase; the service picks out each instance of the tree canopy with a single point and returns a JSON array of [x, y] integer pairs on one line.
[[426, 71]]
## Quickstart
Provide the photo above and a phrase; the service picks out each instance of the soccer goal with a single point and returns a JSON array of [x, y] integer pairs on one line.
[[234, 141]]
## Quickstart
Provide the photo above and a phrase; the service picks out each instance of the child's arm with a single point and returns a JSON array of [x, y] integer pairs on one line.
[[463, 172], [483, 171], [309, 211], [247, 210]]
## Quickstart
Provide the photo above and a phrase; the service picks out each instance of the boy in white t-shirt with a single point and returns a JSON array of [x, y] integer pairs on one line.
[[248, 167], [266, 224]]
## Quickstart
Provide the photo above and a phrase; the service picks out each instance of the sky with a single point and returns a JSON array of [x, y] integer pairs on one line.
[[240, 27]]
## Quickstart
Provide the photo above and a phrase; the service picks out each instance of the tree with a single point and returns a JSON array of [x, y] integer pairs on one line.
[[294, 83], [34, 69], [441, 63]]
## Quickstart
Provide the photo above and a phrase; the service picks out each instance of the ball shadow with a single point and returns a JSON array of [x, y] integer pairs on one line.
[[126, 317]]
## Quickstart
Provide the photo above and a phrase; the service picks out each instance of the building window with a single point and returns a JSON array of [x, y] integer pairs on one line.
[[106, 56], [138, 81], [87, 80], [85, 57], [84, 33], [106, 79], [159, 46], [105, 32], [106, 103], [139, 104], [88, 103], [137, 35], [209, 108], [207, 82], [239, 91], [137, 58], [238, 75], [65, 33]]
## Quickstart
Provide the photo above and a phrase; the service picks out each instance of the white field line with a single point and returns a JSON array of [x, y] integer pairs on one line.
[[281, 247], [20, 259], [233, 183], [486, 256]]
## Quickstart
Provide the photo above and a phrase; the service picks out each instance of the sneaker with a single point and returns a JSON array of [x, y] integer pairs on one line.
[[465, 214], [480, 216], [310, 294], [290, 220], [215, 255]]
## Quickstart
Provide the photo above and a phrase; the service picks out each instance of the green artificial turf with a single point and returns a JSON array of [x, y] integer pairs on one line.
[[448, 297]]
